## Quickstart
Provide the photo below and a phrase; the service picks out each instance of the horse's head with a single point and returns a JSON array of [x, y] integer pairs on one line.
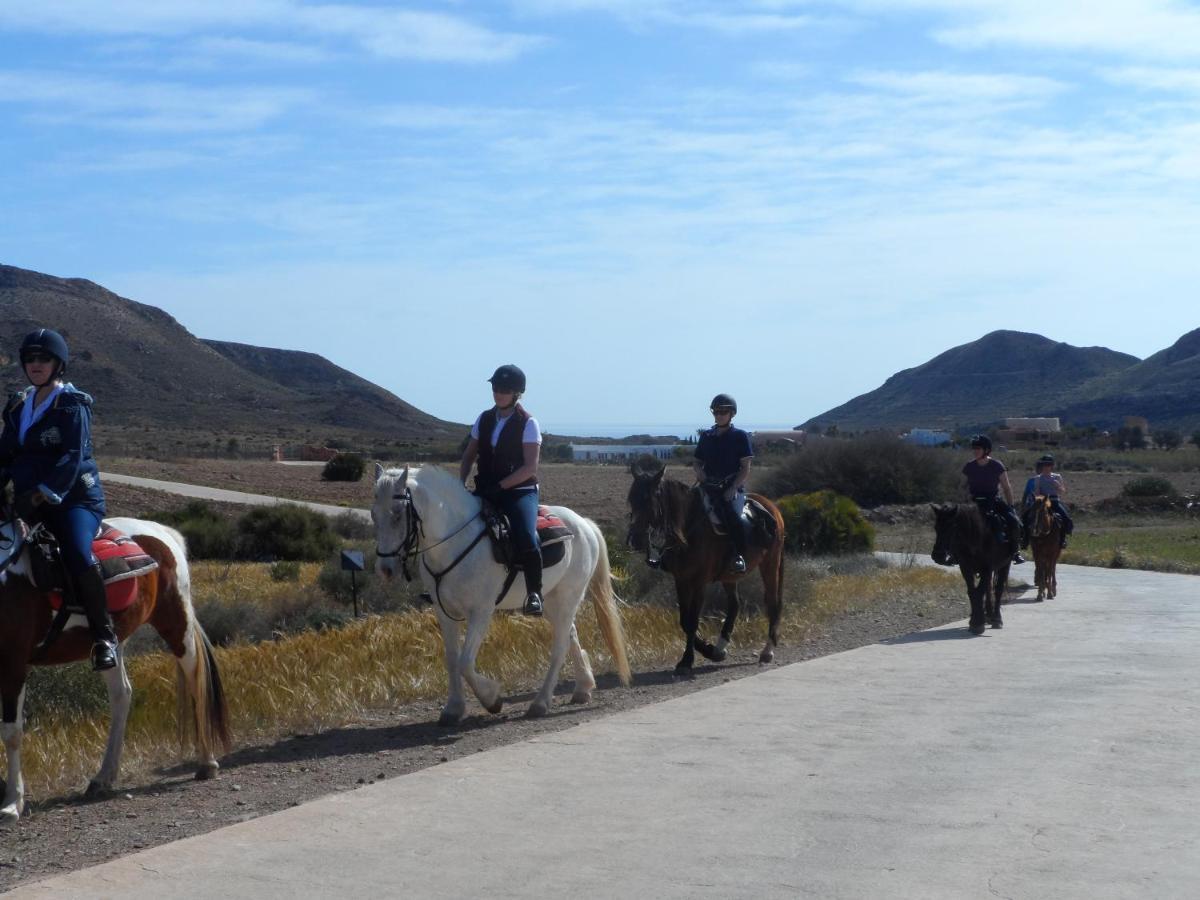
[[1043, 516], [393, 515], [645, 508], [943, 543]]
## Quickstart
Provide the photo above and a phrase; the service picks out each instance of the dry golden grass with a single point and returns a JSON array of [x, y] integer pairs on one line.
[[323, 679]]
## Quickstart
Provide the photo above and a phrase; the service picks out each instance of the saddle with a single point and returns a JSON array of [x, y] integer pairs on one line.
[[757, 524], [993, 517], [121, 560], [552, 532]]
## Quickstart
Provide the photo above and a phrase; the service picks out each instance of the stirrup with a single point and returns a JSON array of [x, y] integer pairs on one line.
[[104, 656], [739, 564], [533, 604], [1017, 559]]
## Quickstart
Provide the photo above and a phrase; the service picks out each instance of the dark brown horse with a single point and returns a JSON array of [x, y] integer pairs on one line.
[[668, 518], [965, 537], [163, 600], [1045, 537]]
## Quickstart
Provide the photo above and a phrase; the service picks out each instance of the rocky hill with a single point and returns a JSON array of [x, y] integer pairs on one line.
[[1004, 373], [151, 376]]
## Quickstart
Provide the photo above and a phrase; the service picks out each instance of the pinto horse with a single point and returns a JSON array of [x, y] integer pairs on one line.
[[964, 537], [673, 514], [1046, 540], [163, 599], [426, 516]]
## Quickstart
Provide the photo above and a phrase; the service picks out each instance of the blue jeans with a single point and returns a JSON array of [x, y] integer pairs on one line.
[[75, 527], [521, 507]]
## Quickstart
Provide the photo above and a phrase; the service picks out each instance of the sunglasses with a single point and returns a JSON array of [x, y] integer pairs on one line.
[[37, 358]]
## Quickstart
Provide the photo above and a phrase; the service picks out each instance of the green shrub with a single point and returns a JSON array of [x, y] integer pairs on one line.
[[353, 527], [285, 531], [1149, 486], [209, 535], [71, 691], [823, 522], [285, 570], [344, 467], [872, 470]]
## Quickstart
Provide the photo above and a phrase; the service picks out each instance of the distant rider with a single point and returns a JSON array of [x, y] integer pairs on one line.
[[507, 443], [984, 477], [1047, 483], [46, 451], [722, 466]]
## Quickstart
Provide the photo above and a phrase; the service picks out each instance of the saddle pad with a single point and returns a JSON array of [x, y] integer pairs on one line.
[[551, 529], [121, 560]]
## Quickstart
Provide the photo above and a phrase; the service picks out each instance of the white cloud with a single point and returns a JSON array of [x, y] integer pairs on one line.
[[1158, 79], [943, 85], [381, 31], [216, 49], [733, 19], [161, 106]]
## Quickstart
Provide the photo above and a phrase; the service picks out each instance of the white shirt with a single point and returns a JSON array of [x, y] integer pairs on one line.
[[532, 435]]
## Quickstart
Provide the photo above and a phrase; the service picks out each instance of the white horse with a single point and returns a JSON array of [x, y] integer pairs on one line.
[[427, 515]]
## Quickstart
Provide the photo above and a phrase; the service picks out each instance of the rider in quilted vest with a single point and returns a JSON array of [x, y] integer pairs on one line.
[[506, 442], [722, 465], [46, 452]]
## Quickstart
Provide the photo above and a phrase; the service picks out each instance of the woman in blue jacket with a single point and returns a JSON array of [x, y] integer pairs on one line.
[[46, 452]]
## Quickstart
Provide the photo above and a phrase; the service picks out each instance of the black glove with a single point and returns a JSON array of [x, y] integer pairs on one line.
[[25, 508]]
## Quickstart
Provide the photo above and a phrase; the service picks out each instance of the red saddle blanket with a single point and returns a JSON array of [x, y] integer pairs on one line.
[[550, 528], [121, 560]]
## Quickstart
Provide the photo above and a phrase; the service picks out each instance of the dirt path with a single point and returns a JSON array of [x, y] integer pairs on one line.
[[64, 833]]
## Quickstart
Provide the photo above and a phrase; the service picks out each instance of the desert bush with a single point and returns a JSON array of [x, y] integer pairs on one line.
[[285, 531], [67, 692], [871, 470], [285, 570], [824, 522], [344, 467], [352, 527], [1149, 486], [209, 535]]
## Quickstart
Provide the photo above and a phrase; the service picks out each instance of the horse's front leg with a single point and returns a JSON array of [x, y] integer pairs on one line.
[[997, 586], [717, 652], [456, 704], [120, 693], [11, 731], [975, 594], [689, 621], [487, 690]]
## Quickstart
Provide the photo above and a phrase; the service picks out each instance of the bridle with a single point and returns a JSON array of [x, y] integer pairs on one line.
[[412, 534], [654, 527]]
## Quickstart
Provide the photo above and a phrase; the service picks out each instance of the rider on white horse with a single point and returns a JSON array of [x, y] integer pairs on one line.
[[46, 451], [507, 443]]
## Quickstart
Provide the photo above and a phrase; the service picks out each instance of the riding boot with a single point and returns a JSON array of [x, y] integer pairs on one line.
[[89, 591], [531, 562]]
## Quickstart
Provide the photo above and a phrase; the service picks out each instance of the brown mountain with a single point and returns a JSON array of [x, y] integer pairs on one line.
[[1004, 373], [151, 376]]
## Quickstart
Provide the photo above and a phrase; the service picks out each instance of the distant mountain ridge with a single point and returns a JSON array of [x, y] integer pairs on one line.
[[1013, 373], [149, 372]]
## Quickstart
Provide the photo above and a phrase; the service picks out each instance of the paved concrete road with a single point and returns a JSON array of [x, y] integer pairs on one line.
[[224, 496], [1054, 759]]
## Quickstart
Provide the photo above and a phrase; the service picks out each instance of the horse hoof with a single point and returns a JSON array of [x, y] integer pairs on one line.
[[96, 790], [445, 720], [10, 815], [766, 656], [496, 707], [536, 711], [976, 629], [207, 771], [997, 624], [581, 697]]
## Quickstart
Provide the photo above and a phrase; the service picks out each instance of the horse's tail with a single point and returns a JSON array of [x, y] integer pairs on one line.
[[200, 696], [604, 601]]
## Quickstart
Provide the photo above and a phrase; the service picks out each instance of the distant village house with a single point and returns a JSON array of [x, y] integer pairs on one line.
[[620, 452], [1030, 431]]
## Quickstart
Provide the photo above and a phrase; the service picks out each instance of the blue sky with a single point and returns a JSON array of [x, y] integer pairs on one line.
[[641, 202]]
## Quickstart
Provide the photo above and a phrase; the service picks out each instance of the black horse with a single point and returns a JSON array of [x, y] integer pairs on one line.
[[965, 537]]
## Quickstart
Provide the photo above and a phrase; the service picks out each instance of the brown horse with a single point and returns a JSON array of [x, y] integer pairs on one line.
[[163, 599], [1046, 540], [673, 514]]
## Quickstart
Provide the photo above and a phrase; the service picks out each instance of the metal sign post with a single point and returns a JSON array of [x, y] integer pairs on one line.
[[352, 562]]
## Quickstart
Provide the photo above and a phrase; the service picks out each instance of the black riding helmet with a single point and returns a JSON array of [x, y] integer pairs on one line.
[[508, 378], [723, 401], [982, 440], [46, 341], [1046, 460]]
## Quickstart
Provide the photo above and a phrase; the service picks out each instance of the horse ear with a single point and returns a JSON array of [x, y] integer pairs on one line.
[[404, 476], [379, 470], [657, 478]]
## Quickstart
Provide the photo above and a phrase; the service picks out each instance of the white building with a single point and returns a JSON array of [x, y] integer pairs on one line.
[[620, 452]]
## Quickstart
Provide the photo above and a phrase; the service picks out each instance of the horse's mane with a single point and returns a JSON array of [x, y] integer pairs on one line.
[[436, 479], [675, 497]]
